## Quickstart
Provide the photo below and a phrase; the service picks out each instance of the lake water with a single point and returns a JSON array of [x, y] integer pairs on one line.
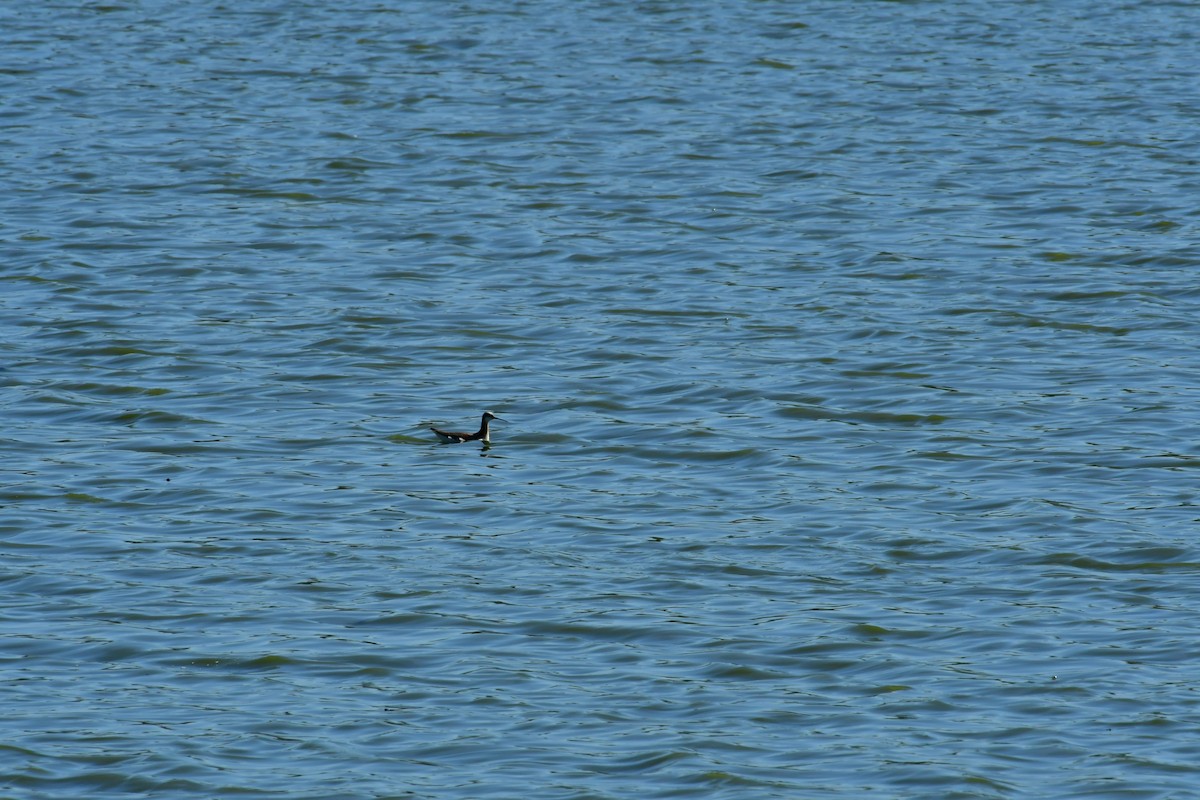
[[847, 352]]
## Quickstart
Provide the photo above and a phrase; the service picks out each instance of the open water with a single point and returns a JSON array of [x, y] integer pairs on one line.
[[848, 352]]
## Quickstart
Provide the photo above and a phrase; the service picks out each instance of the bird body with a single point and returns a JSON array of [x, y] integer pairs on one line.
[[455, 437]]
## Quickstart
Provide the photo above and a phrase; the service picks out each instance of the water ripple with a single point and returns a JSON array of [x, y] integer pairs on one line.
[[846, 353]]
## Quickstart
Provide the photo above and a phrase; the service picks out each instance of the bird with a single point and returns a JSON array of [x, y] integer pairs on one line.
[[454, 437]]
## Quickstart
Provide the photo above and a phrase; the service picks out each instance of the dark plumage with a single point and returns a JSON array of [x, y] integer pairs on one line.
[[454, 437]]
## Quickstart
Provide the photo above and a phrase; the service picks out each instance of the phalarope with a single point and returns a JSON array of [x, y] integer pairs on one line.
[[454, 437]]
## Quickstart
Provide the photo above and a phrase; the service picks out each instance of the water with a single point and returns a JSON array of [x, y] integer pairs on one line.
[[847, 348]]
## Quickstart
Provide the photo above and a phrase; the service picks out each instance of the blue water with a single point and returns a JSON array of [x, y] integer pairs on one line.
[[847, 353]]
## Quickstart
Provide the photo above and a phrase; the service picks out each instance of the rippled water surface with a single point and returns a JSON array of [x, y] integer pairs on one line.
[[847, 352]]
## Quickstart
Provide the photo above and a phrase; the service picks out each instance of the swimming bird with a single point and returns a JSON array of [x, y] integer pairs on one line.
[[454, 437]]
